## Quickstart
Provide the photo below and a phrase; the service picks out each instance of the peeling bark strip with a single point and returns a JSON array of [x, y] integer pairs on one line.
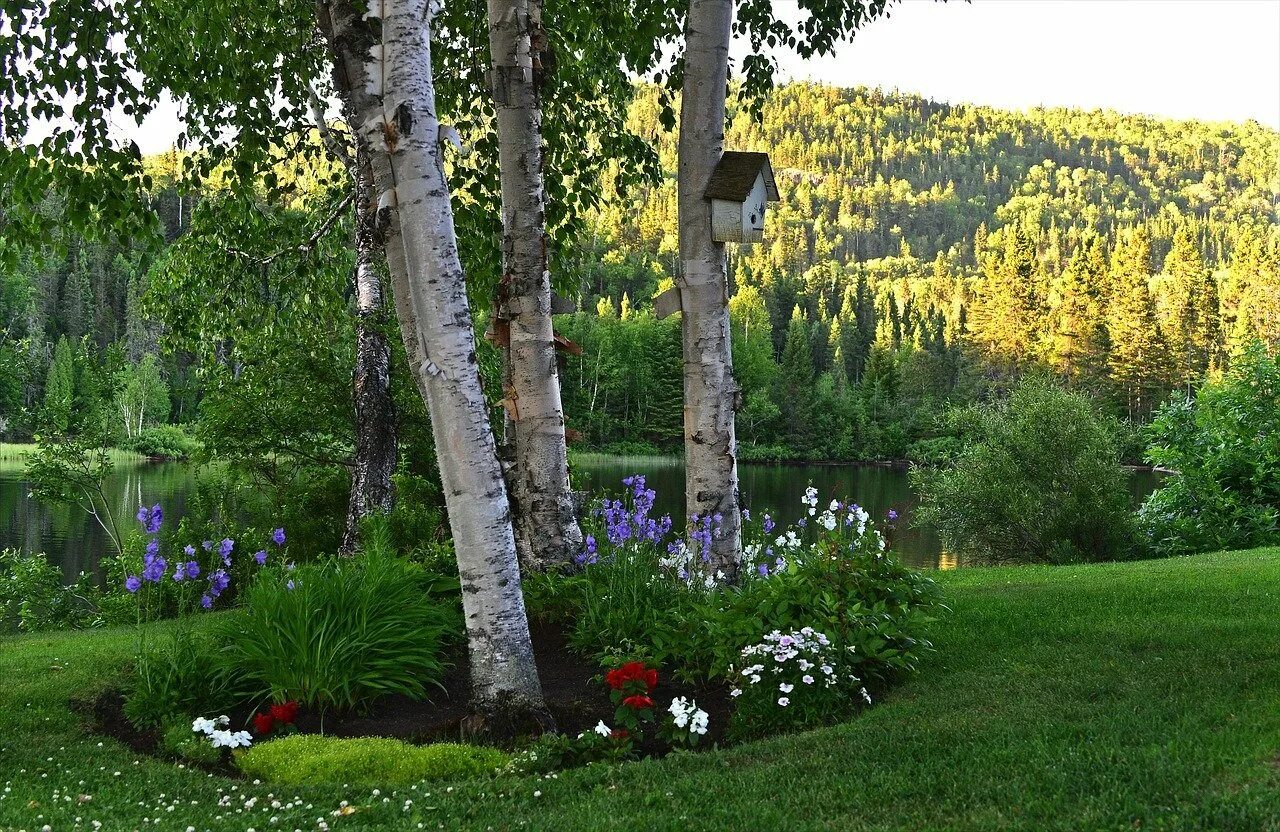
[[383, 62], [711, 464], [546, 528], [376, 445]]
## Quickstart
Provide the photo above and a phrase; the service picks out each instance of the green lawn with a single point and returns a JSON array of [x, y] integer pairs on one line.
[[1117, 697]]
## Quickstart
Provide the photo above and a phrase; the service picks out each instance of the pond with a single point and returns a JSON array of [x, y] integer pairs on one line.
[[73, 540]]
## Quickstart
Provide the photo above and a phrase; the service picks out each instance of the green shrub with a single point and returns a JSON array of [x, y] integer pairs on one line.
[[1039, 482], [340, 631], [33, 597], [165, 441], [178, 673], [179, 741], [1225, 451], [310, 759]]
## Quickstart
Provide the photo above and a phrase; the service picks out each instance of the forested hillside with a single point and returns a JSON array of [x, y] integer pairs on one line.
[[925, 252], [922, 254]]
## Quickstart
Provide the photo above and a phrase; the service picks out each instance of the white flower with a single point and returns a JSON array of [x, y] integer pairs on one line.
[[827, 669], [700, 722], [785, 688], [230, 739], [203, 725], [736, 692], [602, 729], [866, 696], [835, 506], [755, 678], [784, 701], [808, 680], [828, 520]]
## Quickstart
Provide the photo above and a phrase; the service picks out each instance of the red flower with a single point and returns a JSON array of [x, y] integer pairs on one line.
[[285, 713], [618, 734], [632, 672], [638, 703], [263, 723]]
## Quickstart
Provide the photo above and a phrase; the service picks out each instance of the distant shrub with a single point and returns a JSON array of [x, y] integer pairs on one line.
[[33, 596], [1225, 451], [169, 441], [310, 759], [1040, 481], [340, 631]]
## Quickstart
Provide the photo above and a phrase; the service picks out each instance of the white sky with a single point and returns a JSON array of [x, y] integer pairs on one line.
[[1206, 59]]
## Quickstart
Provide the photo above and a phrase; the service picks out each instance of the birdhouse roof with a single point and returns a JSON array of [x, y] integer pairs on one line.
[[735, 176]]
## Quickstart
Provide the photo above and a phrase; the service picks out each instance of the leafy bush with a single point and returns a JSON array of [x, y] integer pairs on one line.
[[178, 740], [1225, 451], [642, 595], [310, 759], [33, 597], [176, 674], [1039, 482], [340, 631], [169, 441], [792, 680]]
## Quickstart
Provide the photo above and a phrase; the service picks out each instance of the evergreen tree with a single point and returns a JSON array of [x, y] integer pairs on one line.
[[1139, 353], [1192, 317], [60, 386], [795, 380]]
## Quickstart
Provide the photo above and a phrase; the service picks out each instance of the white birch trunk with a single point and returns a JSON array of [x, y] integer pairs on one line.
[[710, 394], [546, 529], [383, 61]]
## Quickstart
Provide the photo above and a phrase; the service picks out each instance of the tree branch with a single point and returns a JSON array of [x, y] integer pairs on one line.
[[305, 247]]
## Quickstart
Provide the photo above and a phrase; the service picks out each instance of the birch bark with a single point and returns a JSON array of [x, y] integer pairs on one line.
[[375, 414], [546, 528], [710, 394], [383, 62]]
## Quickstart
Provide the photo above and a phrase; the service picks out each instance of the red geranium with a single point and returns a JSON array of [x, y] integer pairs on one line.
[[632, 672], [638, 703], [263, 723], [285, 713]]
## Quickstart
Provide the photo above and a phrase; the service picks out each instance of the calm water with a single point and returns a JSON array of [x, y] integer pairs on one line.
[[73, 539]]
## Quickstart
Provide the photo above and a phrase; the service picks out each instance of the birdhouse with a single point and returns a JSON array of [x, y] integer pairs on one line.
[[741, 186]]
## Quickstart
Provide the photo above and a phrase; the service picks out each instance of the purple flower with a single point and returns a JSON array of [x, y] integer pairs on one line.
[[278, 537], [746, 515], [207, 545], [151, 518], [224, 550], [189, 550], [193, 569], [206, 601], [133, 583], [153, 569], [893, 515], [289, 586], [261, 557], [768, 524], [218, 582], [180, 571], [801, 522], [763, 569], [153, 548]]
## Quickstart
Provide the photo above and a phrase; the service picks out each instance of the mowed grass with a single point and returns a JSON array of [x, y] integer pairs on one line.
[[1115, 697]]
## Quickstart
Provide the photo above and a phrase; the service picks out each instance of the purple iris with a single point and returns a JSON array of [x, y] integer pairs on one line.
[[133, 583], [261, 557], [278, 537]]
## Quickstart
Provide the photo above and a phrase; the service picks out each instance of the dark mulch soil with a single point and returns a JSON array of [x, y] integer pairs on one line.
[[573, 686]]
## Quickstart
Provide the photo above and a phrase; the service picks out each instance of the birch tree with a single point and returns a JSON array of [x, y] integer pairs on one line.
[[711, 463], [546, 527], [710, 393], [382, 67]]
